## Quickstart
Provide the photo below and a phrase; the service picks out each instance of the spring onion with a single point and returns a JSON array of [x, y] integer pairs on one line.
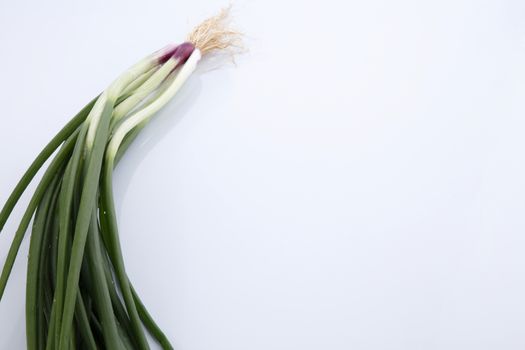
[[78, 292]]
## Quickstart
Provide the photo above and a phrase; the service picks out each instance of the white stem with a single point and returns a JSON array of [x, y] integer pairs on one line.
[[147, 112], [144, 90], [139, 81], [116, 88], [111, 94]]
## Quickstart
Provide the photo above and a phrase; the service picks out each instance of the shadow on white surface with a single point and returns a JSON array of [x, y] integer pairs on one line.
[[157, 129]]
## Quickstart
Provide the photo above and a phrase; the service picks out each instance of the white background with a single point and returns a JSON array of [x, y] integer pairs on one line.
[[357, 181]]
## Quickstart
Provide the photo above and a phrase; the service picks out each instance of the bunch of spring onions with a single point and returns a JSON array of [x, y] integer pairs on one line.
[[78, 293]]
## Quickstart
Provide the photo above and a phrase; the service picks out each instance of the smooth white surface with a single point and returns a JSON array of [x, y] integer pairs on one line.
[[356, 182]]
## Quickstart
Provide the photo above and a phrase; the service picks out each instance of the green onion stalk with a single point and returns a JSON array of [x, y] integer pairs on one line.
[[78, 291]]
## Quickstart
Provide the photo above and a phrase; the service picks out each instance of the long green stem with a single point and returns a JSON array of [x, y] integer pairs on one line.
[[44, 155], [120, 311], [82, 318], [64, 240], [123, 322], [34, 285], [116, 254], [45, 273], [50, 342], [87, 202], [48, 267], [42, 187], [150, 324], [144, 315], [99, 287]]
